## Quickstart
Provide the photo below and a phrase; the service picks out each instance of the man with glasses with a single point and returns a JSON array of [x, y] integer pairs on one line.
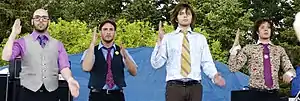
[[42, 57]]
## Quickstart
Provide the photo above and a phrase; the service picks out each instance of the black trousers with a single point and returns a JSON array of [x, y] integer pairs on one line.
[[41, 95], [104, 95], [183, 91], [264, 95]]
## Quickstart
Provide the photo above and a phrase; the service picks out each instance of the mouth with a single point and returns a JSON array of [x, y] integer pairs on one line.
[[185, 20]]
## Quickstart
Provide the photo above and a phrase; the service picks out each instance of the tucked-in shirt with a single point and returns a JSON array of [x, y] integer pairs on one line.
[[104, 51], [169, 52], [253, 56], [19, 50]]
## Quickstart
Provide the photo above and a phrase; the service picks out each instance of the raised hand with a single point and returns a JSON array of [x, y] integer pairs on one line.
[[95, 36], [236, 45], [296, 25], [161, 32], [122, 50], [16, 29]]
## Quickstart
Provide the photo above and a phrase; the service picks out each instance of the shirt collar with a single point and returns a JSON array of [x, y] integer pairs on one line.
[[178, 30], [101, 45], [35, 35], [259, 42]]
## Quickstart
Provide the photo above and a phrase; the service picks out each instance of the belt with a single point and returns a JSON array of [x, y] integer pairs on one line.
[[188, 83], [105, 91], [264, 90]]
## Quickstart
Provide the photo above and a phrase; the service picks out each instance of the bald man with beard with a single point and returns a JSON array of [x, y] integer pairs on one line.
[[42, 57]]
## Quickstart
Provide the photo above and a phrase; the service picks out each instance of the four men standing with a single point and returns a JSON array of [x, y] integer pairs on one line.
[[184, 51]]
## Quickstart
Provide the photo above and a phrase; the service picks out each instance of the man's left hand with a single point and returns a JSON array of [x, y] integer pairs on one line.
[[287, 78], [218, 79], [74, 87]]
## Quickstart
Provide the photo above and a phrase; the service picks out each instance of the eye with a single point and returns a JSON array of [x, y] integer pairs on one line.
[[181, 13]]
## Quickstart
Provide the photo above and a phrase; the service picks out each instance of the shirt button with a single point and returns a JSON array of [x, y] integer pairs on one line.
[[44, 70], [44, 77]]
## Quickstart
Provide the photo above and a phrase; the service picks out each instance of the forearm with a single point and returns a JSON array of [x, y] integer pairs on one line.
[[88, 61], [130, 65], [7, 51], [158, 57], [232, 63], [66, 74]]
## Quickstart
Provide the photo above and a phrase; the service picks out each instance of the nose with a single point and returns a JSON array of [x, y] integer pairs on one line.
[[185, 15]]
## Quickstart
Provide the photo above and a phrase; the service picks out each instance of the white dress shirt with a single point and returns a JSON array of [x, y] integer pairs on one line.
[[169, 51]]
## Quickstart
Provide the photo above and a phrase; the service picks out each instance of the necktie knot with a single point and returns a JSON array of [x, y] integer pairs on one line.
[[42, 40], [42, 37], [184, 32], [265, 45], [108, 49]]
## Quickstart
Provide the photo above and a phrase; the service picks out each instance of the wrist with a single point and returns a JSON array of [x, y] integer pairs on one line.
[[13, 35], [217, 75], [71, 78]]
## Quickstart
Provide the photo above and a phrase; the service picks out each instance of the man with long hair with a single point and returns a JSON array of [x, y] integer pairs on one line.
[[184, 52]]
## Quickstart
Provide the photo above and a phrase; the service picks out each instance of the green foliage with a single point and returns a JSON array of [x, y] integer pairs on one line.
[[136, 34], [221, 19], [75, 35]]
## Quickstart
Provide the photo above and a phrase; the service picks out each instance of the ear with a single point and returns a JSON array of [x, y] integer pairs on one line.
[[48, 24], [32, 22]]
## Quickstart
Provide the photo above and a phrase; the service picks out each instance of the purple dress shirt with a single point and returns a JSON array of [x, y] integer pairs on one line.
[[19, 50]]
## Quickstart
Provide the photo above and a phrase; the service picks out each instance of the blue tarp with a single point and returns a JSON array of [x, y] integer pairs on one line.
[[296, 83], [149, 84]]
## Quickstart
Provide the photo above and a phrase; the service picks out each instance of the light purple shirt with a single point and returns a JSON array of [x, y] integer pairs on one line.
[[19, 50]]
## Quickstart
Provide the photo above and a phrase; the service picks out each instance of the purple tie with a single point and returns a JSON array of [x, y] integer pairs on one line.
[[267, 67], [109, 75], [42, 40]]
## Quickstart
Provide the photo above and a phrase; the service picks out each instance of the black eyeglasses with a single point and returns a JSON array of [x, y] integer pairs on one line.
[[38, 18]]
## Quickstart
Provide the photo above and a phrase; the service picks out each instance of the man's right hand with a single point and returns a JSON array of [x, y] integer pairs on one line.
[[95, 36], [296, 25], [161, 32], [16, 29], [236, 46]]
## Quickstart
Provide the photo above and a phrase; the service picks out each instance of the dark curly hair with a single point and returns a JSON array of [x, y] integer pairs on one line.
[[256, 27]]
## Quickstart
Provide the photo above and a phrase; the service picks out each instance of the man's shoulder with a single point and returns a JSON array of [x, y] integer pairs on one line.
[[198, 35]]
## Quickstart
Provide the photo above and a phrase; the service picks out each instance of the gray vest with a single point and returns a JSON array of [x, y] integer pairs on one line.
[[40, 65]]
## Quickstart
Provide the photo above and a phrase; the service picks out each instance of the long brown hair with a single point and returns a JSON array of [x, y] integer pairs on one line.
[[177, 9]]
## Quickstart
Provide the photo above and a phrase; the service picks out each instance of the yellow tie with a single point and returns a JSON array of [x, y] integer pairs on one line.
[[185, 57]]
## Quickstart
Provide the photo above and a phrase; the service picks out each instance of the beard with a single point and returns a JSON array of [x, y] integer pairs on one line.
[[36, 27], [108, 41]]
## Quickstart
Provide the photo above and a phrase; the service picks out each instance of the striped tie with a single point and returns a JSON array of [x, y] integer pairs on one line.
[[185, 57]]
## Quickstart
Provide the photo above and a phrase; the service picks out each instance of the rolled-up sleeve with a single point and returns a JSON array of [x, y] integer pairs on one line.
[[18, 49], [63, 59]]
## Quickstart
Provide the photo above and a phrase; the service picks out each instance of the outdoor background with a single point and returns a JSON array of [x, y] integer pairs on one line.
[[137, 22]]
